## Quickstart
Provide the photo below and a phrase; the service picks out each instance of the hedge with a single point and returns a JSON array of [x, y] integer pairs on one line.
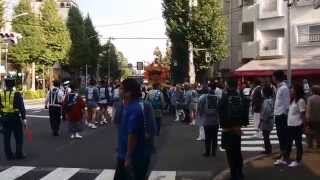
[[38, 94]]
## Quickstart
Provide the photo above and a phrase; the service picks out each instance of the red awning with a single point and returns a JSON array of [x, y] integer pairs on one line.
[[300, 67]]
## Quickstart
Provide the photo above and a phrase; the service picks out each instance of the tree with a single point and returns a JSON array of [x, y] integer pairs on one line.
[[125, 70], [93, 44], [56, 41], [29, 48], [205, 28], [176, 15], [109, 62], [1, 13], [79, 52], [208, 31]]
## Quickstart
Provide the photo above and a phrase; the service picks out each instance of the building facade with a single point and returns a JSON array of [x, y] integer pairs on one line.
[[262, 31], [63, 6]]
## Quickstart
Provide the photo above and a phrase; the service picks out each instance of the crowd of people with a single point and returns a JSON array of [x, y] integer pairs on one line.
[[137, 111]]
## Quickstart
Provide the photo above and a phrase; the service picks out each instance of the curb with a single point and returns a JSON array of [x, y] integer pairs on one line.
[[225, 173]]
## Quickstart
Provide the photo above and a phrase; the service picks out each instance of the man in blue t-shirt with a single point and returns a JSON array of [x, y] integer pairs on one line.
[[134, 148]]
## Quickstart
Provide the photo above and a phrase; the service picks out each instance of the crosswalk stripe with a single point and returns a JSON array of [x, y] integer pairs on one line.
[[250, 132], [14, 172], [255, 142], [248, 149], [61, 174], [253, 137], [106, 174], [163, 175]]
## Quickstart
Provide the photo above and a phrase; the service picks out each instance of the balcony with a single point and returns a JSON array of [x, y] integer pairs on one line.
[[249, 13], [271, 48], [271, 9], [250, 50]]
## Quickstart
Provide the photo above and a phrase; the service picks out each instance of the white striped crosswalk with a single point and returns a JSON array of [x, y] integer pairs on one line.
[[14, 172], [18, 172], [249, 142]]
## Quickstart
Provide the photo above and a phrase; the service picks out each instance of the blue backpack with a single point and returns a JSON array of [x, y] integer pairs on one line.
[[155, 100]]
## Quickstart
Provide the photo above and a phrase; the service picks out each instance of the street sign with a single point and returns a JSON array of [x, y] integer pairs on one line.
[[139, 66]]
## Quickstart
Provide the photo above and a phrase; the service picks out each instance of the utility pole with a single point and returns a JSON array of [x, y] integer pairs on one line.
[[289, 63], [86, 82]]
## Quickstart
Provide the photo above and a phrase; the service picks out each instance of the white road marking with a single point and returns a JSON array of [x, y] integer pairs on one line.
[[255, 142], [14, 172], [37, 116], [106, 174], [248, 149], [61, 174], [163, 175]]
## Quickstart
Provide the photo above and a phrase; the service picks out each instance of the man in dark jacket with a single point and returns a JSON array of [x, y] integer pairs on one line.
[[234, 113]]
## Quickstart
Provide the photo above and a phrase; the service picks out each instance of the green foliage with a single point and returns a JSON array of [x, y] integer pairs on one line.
[[125, 70], [93, 44], [79, 52], [56, 41], [1, 13], [208, 31], [110, 62], [38, 94], [29, 47], [176, 15], [204, 26]]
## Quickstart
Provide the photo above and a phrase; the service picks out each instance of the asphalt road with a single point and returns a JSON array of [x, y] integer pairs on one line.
[[178, 155]]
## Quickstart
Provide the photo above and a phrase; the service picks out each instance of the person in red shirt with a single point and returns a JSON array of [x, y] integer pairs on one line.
[[74, 107]]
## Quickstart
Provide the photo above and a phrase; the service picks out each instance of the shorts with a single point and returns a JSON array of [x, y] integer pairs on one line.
[[256, 118], [92, 104]]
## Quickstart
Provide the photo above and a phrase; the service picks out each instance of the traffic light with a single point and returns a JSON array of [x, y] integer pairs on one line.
[[316, 4], [10, 37]]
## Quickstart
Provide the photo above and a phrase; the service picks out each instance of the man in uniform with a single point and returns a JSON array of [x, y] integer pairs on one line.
[[54, 100], [13, 117]]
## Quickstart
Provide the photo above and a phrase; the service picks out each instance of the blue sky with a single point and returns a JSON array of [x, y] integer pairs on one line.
[[106, 12]]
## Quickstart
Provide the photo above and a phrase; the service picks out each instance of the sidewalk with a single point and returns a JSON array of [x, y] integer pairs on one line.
[[34, 101], [263, 169]]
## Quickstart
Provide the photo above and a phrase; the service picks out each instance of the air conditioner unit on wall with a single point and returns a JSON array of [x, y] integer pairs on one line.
[[316, 4]]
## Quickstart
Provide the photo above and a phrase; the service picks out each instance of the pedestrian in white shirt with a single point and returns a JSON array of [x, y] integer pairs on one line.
[[281, 109], [296, 119]]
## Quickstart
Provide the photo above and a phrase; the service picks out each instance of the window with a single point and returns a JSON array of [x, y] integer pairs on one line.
[[68, 5], [309, 34], [62, 5]]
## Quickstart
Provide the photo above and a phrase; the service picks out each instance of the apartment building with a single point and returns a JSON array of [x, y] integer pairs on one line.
[[262, 31]]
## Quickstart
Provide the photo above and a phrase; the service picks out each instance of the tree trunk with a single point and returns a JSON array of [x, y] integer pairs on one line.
[[33, 74], [28, 76]]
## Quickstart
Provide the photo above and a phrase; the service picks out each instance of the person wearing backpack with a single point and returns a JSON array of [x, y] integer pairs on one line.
[[104, 116], [74, 107], [92, 99], [136, 131], [233, 113], [267, 117], [156, 99], [54, 102], [208, 112]]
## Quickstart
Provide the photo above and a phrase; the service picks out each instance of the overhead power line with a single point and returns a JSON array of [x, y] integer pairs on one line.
[[127, 23]]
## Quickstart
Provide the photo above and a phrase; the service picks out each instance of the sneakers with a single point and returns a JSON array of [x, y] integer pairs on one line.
[[294, 164], [92, 126], [200, 139], [78, 136], [280, 162], [72, 136]]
